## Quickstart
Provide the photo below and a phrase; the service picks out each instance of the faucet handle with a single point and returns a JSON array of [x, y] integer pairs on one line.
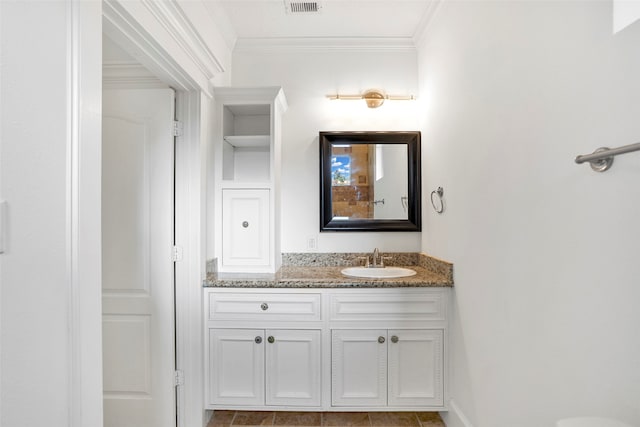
[[382, 258], [366, 260]]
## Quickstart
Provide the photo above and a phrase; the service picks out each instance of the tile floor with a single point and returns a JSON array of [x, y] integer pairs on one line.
[[318, 419]]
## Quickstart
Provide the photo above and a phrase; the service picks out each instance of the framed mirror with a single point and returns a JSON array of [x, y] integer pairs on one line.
[[370, 181]]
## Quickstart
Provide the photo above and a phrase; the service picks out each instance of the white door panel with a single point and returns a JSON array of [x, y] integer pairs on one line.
[[127, 373], [415, 367], [125, 206], [236, 366], [359, 367], [293, 367], [137, 237]]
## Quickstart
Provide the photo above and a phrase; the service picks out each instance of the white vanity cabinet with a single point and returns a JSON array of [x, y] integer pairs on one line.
[[263, 348], [257, 367], [331, 349], [395, 368], [388, 347]]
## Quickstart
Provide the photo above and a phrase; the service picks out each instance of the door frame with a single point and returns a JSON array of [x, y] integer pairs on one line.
[[190, 272], [193, 98]]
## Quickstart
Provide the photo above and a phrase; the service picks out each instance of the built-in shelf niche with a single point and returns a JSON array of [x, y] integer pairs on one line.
[[246, 180], [247, 143]]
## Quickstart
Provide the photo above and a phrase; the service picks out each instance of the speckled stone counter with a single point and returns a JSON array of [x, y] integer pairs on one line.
[[323, 271]]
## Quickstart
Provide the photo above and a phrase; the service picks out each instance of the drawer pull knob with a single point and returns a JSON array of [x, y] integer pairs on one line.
[[381, 340], [245, 224], [258, 339], [394, 339], [264, 306], [271, 339]]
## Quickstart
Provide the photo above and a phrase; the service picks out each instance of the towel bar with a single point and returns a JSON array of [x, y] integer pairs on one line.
[[602, 158]]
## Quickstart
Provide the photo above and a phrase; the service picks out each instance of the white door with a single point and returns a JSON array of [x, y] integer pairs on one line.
[[293, 367], [359, 367], [137, 269], [236, 366], [416, 368]]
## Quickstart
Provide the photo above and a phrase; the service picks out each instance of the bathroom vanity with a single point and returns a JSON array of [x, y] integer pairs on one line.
[[310, 338], [290, 331]]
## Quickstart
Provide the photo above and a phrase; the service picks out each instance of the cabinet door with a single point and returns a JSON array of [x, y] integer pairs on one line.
[[416, 367], [293, 367], [236, 366], [358, 367], [245, 227]]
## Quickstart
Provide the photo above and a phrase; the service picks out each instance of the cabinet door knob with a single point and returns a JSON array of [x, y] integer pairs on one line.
[[264, 306], [258, 339], [245, 224], [381, 340], [271, 339], [394, 339]]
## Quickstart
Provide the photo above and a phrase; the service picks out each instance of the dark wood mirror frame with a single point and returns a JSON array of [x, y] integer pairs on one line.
[[414, 216]]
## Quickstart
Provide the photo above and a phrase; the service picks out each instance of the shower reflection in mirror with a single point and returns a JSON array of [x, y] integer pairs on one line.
[[360, 187]]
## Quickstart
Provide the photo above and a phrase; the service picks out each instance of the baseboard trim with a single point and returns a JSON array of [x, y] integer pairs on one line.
[[455, 417]]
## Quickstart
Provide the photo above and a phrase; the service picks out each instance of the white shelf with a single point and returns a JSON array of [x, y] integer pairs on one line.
[[248, 140]]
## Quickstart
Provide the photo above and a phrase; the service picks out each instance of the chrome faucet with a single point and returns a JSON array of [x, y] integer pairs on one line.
[[375, 257], [375, 260]]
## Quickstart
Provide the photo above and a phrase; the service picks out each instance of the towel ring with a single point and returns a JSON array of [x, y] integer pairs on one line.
[[439, 192]]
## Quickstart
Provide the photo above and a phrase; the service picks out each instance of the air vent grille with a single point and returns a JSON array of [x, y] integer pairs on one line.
[[302, 6]]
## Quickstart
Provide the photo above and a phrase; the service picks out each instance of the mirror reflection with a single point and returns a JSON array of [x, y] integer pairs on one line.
[[369, 181]]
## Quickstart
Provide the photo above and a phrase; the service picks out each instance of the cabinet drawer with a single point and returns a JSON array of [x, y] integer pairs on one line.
[[265, 306], [388, 306]]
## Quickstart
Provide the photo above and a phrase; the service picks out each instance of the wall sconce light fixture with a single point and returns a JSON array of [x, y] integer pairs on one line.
[[374, 98]]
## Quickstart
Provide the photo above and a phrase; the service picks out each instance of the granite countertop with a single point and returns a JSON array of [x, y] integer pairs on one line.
[[325, 277]]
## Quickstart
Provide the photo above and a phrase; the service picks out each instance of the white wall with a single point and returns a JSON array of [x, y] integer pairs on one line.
[[34, 317], [50, 176], [307, 77], [545, 251]]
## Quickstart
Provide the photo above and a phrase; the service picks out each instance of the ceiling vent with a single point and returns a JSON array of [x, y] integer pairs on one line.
[[293, 6]]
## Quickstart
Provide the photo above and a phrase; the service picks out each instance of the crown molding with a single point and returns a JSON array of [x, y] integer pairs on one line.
[[219, 18], [129, 75], [174, 21], [324, 44], [426, 23]]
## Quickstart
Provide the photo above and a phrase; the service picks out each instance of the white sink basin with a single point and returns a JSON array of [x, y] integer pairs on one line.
[[378, 273]]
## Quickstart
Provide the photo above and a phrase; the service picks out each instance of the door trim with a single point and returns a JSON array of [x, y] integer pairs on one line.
[[83, 181], [192, 104], [190, 272], [133, 25]]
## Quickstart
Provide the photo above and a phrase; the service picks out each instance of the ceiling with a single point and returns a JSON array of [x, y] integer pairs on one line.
[[262, 19]]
